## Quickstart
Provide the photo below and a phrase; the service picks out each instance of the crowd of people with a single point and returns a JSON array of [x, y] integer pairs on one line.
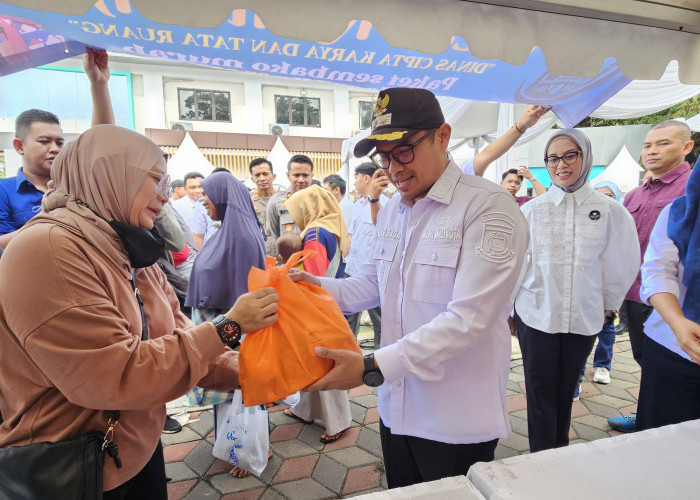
[[132, 287]]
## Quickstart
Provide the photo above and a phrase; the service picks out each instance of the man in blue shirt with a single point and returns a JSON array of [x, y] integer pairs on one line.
[[38, 139]]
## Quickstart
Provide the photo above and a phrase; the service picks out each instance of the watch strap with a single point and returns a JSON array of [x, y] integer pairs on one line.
[[372, 376], [369, 363], [373, 200]]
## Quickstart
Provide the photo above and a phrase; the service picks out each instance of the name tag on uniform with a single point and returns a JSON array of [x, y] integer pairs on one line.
[[442, 234], [388, 233]]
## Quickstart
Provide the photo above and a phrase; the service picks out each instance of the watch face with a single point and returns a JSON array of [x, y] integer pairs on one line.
[[373, 378], [228, 330]]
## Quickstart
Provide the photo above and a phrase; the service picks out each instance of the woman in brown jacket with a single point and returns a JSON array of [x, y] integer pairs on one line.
[[71, 341]]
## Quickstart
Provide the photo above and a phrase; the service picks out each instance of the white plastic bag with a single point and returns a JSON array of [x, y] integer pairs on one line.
[[242, 435], [291, 400]]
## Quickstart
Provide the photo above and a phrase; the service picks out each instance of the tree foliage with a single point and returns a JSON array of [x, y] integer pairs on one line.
[[685, 109]]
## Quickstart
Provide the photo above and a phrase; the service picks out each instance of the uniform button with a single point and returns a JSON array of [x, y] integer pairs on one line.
[[398, 383], [413, 223], [433, 256]]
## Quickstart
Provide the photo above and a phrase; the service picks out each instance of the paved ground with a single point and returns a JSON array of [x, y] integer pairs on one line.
[[303, 468]]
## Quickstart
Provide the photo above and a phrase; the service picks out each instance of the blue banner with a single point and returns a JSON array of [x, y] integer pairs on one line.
[[359, 57]]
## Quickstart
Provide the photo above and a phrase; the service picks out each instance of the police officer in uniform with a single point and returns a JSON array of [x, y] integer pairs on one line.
[[300, 172], [262, 175]]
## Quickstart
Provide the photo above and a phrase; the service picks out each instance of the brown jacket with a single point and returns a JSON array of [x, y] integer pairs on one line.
[[70, 347]]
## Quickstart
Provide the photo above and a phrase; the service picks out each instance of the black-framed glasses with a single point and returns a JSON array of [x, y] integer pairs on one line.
[[568, 158], [401, 154]]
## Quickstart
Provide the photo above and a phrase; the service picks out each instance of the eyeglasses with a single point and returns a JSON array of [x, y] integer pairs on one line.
[[164, 188], [402, 154], [568, 159]]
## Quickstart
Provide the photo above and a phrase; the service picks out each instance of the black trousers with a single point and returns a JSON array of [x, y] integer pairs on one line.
[[636, 315], [410, 460], [552, 364], [670, 389], [149, 484]]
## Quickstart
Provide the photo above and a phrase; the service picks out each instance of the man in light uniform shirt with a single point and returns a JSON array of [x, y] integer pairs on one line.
[[337, 186], [262, 175], [668, 393], [361, 234], [192, 211], [300, 172], [446, 259]]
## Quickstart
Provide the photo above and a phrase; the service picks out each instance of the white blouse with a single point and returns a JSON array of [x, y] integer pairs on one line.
[[582, 259]]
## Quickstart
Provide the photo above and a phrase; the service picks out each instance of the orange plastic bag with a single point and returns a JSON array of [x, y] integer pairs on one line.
[[279, 360]]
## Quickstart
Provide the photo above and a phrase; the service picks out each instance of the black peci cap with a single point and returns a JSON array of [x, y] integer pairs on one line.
[[400, 113]]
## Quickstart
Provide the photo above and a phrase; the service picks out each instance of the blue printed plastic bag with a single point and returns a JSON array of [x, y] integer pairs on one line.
[[242, 435]]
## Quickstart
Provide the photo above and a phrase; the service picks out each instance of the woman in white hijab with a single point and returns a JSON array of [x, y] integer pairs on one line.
[[94, 325], [582, 258]]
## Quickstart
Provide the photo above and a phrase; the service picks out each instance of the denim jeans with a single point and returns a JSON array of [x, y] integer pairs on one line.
[[603, 352]]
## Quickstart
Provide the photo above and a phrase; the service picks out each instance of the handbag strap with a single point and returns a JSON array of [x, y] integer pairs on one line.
[[108, 444], [144, 325]]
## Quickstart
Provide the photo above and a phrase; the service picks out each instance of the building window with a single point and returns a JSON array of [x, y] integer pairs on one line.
[[298, 111], [204, 105], [366, 108]]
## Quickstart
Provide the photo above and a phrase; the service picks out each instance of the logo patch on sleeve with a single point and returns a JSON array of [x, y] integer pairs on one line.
[[497, 237]]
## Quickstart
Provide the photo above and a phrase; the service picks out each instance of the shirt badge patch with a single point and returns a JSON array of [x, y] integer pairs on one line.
[[443, 220], [497, 237], [594, 215]]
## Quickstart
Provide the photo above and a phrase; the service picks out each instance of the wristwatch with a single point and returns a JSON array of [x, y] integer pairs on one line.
[[229, 331], [373, 200], [372, 376]]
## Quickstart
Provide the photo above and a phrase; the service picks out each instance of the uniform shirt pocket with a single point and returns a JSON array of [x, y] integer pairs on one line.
[[384, 252], [434, 273], [286, 218]]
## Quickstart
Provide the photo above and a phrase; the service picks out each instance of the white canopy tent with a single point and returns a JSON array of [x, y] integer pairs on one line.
[[623, 171], [188, 158], [693, 123], [279, 157]]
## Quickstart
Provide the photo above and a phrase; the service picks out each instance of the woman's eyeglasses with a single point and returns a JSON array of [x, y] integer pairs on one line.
[[568, 159], [164, 188], [401, 154]]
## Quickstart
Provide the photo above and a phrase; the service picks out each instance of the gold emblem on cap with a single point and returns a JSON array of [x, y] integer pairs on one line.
[[391, 136], [380, 107]]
